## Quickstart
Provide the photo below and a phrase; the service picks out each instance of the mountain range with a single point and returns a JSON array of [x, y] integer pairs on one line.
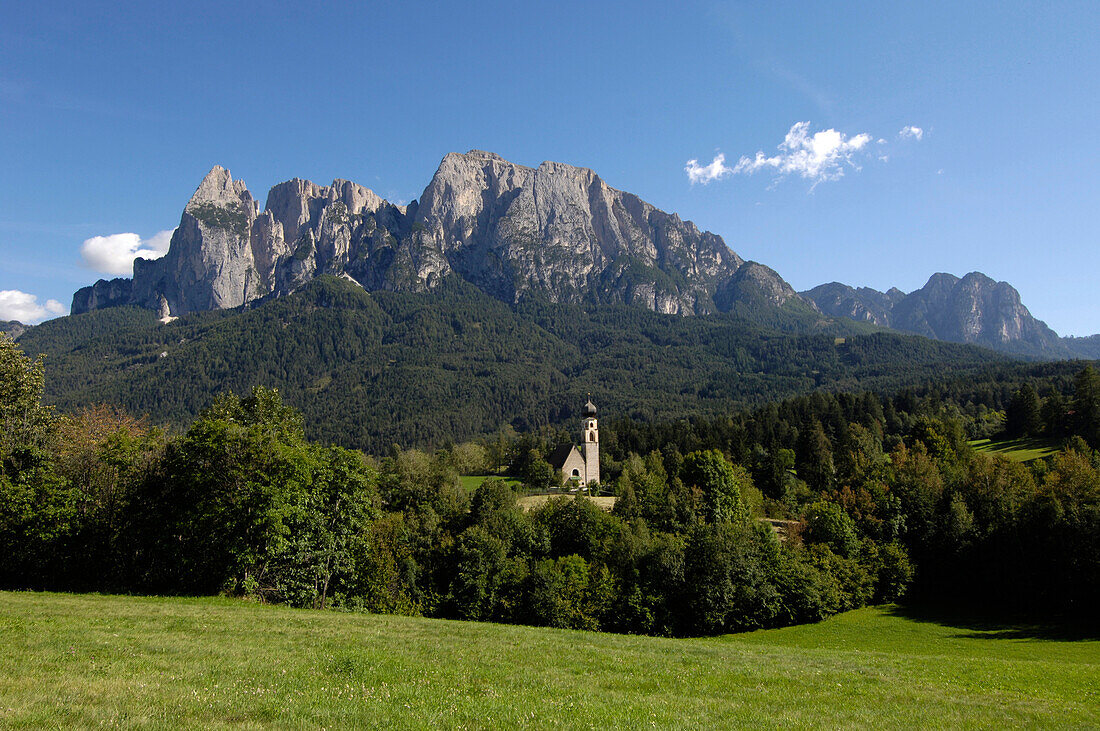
[[555, 232], [974, 309]]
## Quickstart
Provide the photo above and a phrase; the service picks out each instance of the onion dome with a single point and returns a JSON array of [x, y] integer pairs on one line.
[[590, 408]]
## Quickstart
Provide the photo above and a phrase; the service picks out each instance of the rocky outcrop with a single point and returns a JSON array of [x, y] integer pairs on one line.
[[226, 253], [555, 231], [13, 328], [104, 293], [754, 285], [865, 304], [210, 263], [974, 309]]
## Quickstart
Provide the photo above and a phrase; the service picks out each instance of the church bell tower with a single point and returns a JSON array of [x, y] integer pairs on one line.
[[591, 445]]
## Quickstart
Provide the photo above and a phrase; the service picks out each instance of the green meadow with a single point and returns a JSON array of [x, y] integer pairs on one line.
[[91, 660], [1018, 450], [472, 482]]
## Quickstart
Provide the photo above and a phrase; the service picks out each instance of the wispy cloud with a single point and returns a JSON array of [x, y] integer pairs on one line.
[[16, 305], [814, 156], [705, 173], [115, 254]]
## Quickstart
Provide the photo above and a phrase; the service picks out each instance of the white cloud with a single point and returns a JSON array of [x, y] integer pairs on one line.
[[705, 173], [115, 254], [911, 133], [16, 305], [817, 157]]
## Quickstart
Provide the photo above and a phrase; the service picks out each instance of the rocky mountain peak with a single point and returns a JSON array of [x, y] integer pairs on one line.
[[219, 188], [974, 309], [556, 231], [561, 231]]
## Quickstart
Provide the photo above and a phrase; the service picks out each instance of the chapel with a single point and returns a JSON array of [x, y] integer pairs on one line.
[[580, 467]]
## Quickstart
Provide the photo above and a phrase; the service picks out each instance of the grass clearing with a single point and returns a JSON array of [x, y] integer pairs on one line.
[[1018, 450], [84, 660], [472, 482]]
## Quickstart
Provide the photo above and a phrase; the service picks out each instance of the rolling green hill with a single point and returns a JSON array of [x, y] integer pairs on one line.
[[372, 369], [88, 660]]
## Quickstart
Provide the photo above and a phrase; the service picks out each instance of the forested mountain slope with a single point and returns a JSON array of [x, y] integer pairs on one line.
[[373, 369]]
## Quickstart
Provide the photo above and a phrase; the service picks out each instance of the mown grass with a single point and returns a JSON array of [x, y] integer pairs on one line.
[[472, 482], [87, 660], [1018, 450]]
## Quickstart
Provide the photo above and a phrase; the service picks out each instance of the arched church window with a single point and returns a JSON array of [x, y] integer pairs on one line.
[[576, 473]]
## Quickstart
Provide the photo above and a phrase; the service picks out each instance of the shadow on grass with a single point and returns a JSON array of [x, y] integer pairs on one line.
[[983, 623]]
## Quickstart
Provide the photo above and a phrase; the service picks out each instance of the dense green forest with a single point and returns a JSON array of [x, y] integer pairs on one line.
[[884, 495], [370, 370]]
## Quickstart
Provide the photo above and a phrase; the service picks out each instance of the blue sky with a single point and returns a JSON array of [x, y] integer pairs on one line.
[[110, 115]]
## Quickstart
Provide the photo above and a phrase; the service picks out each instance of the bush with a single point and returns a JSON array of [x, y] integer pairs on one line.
[[827, 523]]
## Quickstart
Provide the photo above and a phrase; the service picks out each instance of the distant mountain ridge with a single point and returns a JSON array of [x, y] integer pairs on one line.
[[974, 309], [555, 231]]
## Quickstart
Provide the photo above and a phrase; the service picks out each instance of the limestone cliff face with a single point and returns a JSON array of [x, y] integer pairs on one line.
[[562, 232], [335, 229], [104, 293], [974, 309], [226, 253], [210, 263], [555, 231]]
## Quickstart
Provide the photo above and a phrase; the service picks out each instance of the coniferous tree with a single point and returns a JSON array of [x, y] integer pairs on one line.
[[815, 458], [1023, 418], [1086, 406], [1053, 414]]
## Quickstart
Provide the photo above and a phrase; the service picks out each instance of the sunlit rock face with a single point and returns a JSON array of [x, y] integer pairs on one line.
[[562, 232], [557, 232], [974, 309]]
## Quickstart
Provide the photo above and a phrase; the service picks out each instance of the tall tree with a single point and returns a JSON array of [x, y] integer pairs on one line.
[[1023, 418], [25, 424], [815, 457], [1086, 406], [1053, 414]]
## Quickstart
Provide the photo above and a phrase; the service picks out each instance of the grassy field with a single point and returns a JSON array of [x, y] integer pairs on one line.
[[472, 482], [1018, 450], [87, 660]]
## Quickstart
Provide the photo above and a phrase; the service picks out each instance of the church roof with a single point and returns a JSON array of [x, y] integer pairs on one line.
[[559, 455], [590, 408]]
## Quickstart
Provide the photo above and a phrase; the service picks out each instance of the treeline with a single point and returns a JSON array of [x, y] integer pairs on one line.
[[977, 528], [882, 496]]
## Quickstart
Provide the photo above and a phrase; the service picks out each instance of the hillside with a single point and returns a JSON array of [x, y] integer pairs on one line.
[[373, 369], [214, 662]]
